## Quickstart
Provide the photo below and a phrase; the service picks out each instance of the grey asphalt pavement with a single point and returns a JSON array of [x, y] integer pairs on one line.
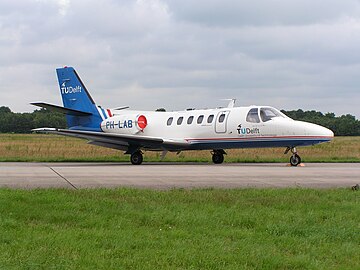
[[176, 175]]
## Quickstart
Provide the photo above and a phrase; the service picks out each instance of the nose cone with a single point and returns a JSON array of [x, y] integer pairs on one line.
[[317, 131], [327, 132], [324, 134], [321, 131]]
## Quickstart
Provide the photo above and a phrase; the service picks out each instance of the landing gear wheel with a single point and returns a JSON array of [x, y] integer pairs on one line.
[[295, 160], [218, 158], [136, 158]]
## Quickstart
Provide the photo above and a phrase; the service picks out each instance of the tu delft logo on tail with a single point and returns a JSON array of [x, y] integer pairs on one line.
[[69, 89]]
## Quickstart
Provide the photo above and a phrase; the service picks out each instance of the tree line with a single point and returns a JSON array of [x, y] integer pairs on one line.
[[11, 122]]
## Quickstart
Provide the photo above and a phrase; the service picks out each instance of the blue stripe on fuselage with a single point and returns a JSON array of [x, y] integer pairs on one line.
[[253, 143]]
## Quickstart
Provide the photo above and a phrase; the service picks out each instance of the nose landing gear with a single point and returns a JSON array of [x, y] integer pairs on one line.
[[295, 159]]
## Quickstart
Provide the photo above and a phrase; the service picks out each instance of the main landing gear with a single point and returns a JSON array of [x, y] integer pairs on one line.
[[295, 159], [218, 156], [136, 158]]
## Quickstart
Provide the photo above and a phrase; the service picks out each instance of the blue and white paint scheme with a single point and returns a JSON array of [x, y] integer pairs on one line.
[[209, 129]]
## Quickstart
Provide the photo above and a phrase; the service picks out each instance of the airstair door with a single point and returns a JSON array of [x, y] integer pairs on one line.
[[221, 121]]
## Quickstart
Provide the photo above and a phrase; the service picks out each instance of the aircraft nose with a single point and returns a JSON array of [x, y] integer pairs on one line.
[[317, 131], [328, 133], [323, 132]]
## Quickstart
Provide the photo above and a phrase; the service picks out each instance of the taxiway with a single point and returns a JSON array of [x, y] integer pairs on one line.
[[176, 175]]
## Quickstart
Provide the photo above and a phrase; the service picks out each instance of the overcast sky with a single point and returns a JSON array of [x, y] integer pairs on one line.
[[178, 54]]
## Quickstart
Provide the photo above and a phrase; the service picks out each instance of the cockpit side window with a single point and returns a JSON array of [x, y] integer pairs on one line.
[[267, 114], [253, 116]]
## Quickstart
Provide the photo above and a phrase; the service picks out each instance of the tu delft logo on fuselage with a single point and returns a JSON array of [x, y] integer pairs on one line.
[[247, 131], [69, 89]]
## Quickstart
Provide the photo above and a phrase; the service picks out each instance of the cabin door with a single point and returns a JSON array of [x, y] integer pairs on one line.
[[221, 121]]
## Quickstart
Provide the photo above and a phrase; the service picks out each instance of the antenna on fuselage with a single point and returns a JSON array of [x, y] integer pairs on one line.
[[231, 103]]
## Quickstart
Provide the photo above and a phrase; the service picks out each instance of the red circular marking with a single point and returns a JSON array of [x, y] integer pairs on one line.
[[142, 122]]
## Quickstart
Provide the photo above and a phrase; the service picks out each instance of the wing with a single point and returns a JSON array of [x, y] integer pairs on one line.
[[120, 141]]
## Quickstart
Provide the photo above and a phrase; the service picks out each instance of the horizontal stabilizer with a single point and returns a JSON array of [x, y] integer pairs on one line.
[[56, 108], [44, 130]]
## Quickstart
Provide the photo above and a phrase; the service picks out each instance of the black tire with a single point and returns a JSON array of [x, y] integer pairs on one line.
[[136, 158], [295, 160], [218, 158]]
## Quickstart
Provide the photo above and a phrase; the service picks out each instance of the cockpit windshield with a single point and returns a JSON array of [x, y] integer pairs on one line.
[[267, 114]]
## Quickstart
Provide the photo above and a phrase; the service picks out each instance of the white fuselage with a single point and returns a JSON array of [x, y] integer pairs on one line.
[[221, 128]]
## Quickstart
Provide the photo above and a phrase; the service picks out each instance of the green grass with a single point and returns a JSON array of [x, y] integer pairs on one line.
[[179, 229]]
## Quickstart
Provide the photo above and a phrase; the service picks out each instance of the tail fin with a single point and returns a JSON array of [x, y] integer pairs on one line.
[[76, 97]]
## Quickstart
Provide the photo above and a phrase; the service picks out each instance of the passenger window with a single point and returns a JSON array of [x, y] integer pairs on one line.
[[210, 119], [253, 116], [180, 119], [190, 120], [200, 119], [169, 121], [221, 118]]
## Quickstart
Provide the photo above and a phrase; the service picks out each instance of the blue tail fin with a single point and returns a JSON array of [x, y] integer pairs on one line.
[[75, 96]]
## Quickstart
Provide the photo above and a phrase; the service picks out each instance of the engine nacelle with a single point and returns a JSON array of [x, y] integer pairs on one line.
[[125, 124]]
